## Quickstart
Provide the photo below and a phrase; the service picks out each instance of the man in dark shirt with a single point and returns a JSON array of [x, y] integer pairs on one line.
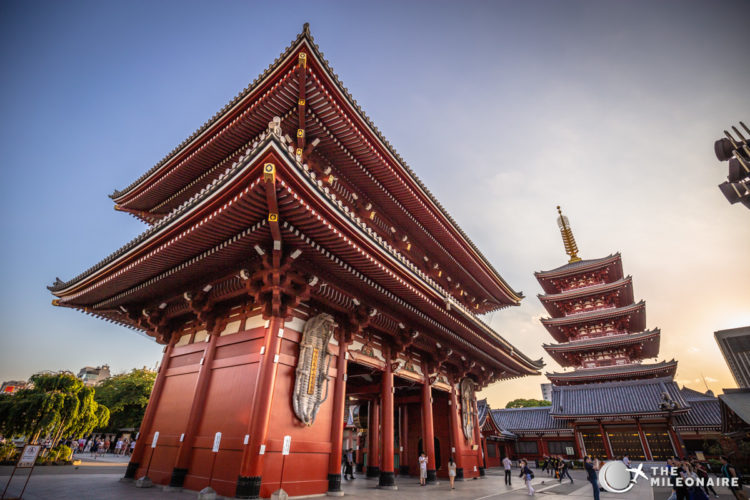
[[591, 476]]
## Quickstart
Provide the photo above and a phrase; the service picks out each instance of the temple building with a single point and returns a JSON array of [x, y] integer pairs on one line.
[[610, 403], [310, 293]]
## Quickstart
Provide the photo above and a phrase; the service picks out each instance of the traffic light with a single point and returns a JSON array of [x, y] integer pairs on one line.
[[737, 150]]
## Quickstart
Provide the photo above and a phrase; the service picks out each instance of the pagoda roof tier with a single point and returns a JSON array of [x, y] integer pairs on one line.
[[215, 233], [611, 263], [631, 372], [623, 286], [634, 313], [625, 398], [647, 343], [364, 166]]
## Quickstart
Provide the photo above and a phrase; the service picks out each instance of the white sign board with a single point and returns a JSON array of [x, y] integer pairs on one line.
[[287, 445], [217, 442], [156, 438], [569, 450], [28, 456]]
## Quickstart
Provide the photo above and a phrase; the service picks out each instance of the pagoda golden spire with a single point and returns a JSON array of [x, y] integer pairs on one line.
[[568, 239]]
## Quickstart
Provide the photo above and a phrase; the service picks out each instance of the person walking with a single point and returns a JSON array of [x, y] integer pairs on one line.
[[452, 472], [591, 476], [422, 469], [507, 465], [702, 473], [349, 465], [564, 470], [728, 470], [527, 475]]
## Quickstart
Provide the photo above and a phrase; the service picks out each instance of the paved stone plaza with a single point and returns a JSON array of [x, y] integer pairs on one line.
[[100, 480]]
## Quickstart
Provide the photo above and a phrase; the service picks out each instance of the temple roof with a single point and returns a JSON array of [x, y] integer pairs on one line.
[[735, 410], [519, 420], [234, 201], [636, 313], [623, 285], [649, 340], [641, 397], [615, 372], [408, 200]]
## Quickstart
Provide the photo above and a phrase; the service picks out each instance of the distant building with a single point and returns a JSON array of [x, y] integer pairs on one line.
[[92, 376], [11, 386], [735, 346], [547, 392]]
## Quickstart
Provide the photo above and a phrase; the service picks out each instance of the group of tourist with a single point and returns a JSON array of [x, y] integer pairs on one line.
[[557, 467], [98, 447]]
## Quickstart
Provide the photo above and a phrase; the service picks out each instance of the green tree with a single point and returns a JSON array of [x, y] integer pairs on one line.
[[126, 396], [527, 403], [54, 405]]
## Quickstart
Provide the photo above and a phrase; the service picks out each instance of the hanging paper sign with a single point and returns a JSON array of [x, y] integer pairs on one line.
[[28, 456], [217, 441], [156, 438], [287, 445], [569, 451]]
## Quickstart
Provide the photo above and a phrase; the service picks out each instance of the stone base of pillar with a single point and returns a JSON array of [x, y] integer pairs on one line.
[[130, 472], [334, 486], [177, 479], [459, 473], [248, 487], [373, 471], [387, 481], [482, 472], [403, 470], [431, 476]]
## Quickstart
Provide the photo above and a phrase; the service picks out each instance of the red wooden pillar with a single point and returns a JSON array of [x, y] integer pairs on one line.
[[185, 451], [337, 421], [456, 434], [577, 443], [404, 440], [676, 441], [428, 432], [605, 440], [373, 447], [543, 451], [148, 416], [387, 479], [478, 438], [251, 468], [644, 443]]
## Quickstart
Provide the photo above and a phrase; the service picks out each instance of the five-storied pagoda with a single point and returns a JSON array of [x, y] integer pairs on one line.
[[611, 403], [298, 273]]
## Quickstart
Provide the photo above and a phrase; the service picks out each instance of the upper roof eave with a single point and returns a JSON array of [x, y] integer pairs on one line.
[[577, 267], [305, 37]]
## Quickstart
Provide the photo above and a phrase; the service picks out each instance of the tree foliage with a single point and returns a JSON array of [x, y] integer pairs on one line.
[[527, 403], [55, 405], [126, 396]]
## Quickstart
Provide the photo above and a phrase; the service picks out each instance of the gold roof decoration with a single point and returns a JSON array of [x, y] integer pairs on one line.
[[567, 236]]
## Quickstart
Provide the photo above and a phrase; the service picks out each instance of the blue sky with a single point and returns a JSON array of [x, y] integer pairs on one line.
[[504, 109]]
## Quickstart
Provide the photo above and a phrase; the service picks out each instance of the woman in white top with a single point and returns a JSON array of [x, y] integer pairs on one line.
[[422, 469], [451, 472]]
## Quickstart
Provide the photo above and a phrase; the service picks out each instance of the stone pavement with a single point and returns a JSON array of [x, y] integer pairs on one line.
[[100, 481]]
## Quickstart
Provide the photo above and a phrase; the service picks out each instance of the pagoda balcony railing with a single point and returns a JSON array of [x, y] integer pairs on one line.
[[597, 335], [578, 286], [590, 309]]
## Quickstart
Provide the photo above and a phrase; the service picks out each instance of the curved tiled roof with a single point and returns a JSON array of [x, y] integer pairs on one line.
[[602, 341], [526, 419], [703, 413], [581, 264], [306, 36], [615, 398]]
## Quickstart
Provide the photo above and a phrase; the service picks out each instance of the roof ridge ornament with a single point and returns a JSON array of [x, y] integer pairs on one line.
[[568, 239]]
